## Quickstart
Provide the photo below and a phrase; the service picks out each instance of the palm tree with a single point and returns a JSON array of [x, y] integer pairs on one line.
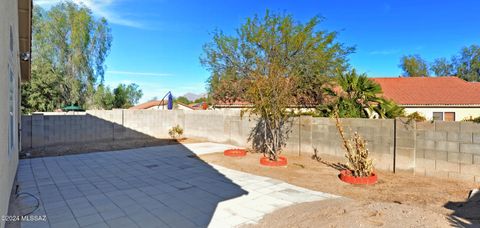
[[388, 109], [356, 96]]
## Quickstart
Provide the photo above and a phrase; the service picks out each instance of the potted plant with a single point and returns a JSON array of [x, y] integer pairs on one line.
[[176, 132], [270, 96], [360, 168]]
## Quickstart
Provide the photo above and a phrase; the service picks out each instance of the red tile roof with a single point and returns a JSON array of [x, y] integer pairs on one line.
[[430, 90], [233, 104], [199, 106], [149, 104]]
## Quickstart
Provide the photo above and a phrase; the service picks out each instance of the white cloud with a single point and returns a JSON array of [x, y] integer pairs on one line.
[[132, 73], [100, 8]]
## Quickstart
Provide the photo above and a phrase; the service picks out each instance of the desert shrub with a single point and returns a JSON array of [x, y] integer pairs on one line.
[[270, 97], [416, 116], [356, 152], [175, 132], [475, 120]]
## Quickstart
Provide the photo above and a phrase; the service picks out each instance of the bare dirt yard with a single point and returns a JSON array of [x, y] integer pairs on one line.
[[397, 200], [352, 213]]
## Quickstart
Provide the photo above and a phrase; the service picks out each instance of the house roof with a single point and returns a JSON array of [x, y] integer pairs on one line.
[[149, 104], [245, 104], [430, 91], [233, 104], [185, 105], [199, 106]]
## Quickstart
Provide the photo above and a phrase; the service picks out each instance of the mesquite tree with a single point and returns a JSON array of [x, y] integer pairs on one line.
[[273, 62], [271, 95]]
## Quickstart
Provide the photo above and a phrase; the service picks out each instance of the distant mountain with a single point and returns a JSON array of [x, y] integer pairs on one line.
[[193, 96]]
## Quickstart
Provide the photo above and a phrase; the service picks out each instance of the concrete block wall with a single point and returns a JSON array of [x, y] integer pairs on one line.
[[324, 138], [448, 149], [405, 143], [211, 125], [26, 132], [443, 149], [39, 130]]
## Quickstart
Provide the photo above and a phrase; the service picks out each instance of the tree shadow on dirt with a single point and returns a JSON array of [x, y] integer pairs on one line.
[[465, 214], [338, 166]]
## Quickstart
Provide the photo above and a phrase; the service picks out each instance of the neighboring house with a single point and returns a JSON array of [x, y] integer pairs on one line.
[[162, 105], [182, 106], [152, 105], [239, 105], [436, 98], [232, 105], [199, 106], [15, 43]]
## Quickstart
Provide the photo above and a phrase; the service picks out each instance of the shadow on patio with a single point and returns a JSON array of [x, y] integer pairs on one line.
[[164, 186]]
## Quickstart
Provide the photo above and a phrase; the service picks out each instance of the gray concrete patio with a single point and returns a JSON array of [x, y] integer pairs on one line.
[[150, 187]]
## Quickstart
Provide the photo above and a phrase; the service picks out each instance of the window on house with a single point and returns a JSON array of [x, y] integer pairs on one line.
[[449, 116], [437, 115]]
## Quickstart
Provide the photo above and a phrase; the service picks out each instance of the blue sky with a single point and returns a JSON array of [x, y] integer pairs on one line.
[[157, 43]]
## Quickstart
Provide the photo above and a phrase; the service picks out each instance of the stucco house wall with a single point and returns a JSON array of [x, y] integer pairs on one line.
[[427, 95], [461, 113], [9, 100]]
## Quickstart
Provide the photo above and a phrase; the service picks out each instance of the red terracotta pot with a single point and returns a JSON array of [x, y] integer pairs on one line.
[[281, 161], [235, 152], [346, 176]]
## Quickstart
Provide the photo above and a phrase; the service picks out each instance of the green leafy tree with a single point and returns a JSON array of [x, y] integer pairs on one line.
[[41, 94], [273, 62], [200, 100], [126, 96], [121, 97], [271, 95], [442, 67], [356, 96], [416, 116], [183, 100], [306, 54], [103, 98], [69, 42], [388, 109], [414, 66], [467, 63]]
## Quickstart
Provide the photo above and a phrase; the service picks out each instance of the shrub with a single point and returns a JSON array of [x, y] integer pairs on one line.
[[354, 95], [416, 116], [359, 163], [475, 120], [175, 132], [270, 97]]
